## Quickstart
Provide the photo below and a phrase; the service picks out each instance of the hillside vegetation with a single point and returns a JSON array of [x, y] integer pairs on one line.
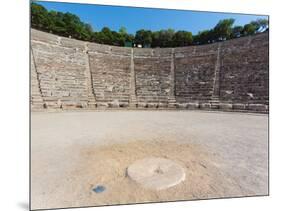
[[70, 25]]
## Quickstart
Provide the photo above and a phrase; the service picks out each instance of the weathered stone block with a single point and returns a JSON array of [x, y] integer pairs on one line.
[[205, 105], [257, 107], [114, 104], [142, 105], [162, 105], [182, 105], [226, 106], [152, 105], [102, 105], [214, 105], [239, 106], [192, 105]]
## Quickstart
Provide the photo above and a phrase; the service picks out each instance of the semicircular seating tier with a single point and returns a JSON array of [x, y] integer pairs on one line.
[[229, 75]]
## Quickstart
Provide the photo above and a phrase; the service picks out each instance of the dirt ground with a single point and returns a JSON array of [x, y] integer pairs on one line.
[[223, 154]]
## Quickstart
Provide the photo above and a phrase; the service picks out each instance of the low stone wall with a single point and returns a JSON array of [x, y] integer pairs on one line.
[[230, 75]]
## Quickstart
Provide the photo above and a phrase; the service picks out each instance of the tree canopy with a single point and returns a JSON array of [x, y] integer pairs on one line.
[[70, 25], [143, 37]]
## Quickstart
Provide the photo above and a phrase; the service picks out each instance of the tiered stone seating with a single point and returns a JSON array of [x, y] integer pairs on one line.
[[153, 70], [36, 96], [245, 73], [230, 75], [61, 72], [194, 74], [110, 71]]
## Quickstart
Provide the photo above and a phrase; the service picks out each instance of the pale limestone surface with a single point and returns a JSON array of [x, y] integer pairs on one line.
[[156, 173], [223, 154]]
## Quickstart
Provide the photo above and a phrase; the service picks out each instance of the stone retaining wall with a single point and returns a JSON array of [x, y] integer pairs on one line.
[[230, 75]]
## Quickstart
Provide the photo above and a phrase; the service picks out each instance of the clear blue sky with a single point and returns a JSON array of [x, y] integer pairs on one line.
[[134, 19]]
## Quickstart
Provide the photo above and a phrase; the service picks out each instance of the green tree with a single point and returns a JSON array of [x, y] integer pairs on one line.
[[249, 29], [124, 36], [182, 38], [87, 32], [39, 17], [204, 37], [237, 31], [73, 25], [70, 25], [223, 29], [57, 24], [143, 37], [155, 39], [64, 24], [123, 31], [166, 38], [130, 38], [105, 36]]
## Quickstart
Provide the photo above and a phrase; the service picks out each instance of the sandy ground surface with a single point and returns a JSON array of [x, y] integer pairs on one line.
[[223, 154]]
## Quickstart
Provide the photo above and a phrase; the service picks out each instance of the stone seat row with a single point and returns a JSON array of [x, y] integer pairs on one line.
[[261, 108]]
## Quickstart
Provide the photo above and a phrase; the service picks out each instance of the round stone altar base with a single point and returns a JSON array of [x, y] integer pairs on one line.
[[156, 173]]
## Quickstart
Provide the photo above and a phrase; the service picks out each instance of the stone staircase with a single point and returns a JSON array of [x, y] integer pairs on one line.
[[111, 88], [215, 102], [37, 102]]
